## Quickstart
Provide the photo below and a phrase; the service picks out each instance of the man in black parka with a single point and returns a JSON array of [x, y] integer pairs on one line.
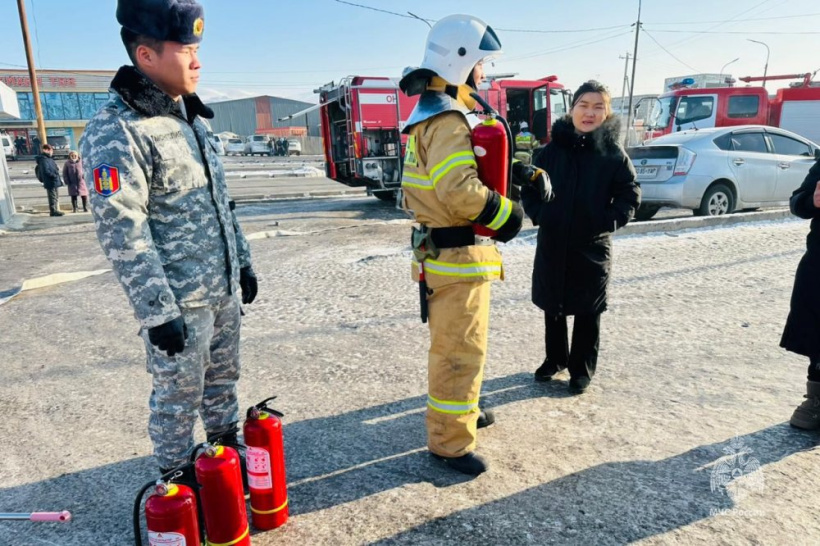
[[595, 194], [802, 332]]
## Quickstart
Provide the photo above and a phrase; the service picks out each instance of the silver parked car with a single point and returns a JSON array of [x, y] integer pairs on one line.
[[721, 169], [235, 146]]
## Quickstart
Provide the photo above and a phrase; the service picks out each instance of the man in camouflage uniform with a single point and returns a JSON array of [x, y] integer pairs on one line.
[[165, 221]]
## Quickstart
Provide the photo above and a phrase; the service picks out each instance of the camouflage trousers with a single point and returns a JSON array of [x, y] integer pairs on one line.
[[200, 380]]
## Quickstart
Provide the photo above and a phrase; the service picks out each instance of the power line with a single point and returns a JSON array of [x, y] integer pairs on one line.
[[801, 16], [669, 52], [36, 31], [571, 45], [383, 11], [736, 32]]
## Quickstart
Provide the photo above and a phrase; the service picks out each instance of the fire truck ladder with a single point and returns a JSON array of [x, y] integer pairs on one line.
[[351, 126]]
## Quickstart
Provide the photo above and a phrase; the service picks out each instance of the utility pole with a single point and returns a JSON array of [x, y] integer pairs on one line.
[[632, 82], [32, 74], [626, 79]]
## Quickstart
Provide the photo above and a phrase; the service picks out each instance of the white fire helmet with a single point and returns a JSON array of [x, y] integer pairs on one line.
[[525, 126], [456, 44]]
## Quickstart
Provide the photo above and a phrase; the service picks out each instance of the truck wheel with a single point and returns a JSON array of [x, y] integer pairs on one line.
[[717, 201], [386, 196], [646, 212]]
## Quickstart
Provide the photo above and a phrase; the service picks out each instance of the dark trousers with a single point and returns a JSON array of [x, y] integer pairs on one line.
[[53, 200], [814, 370], [74, 203], [582, 359]]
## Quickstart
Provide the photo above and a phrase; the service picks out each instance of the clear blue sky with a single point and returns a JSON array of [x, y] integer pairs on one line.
[[289, 47]]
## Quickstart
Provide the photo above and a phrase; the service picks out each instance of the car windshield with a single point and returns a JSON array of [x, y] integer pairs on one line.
[[660, 115], [234, 141], [58, 141], [258, 138]]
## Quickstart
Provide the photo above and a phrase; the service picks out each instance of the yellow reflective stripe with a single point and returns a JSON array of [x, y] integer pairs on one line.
[[231, 543], [503, 214], [450, 162], [255, 511], [420, 181], [451, 407], [477, 269]]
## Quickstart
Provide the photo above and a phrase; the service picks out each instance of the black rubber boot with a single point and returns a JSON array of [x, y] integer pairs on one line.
[[471, 464], [485, 418], [807, 414], [547, 370]]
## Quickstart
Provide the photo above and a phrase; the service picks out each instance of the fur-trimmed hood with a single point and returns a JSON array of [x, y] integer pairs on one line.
[[604, 139], [141, 94]]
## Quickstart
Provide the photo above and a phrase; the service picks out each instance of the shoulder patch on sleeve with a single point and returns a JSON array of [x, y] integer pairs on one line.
[[106, 180], [410, 157]]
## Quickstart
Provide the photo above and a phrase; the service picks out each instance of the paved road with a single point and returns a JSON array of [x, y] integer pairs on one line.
[[692, 390]]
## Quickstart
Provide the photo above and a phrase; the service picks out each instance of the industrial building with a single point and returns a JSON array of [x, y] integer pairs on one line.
[[260, 115]]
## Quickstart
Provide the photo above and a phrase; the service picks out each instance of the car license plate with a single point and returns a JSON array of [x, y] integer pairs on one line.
[[646, 172]]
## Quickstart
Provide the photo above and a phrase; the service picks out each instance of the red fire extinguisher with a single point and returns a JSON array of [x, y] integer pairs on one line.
[[265, 460], [492, 146], [170, 513], [219, 475]]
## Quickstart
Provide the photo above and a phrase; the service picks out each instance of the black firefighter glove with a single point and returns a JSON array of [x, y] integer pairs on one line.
[[169, 337], [527, 175], [503, 216], [248, 283]]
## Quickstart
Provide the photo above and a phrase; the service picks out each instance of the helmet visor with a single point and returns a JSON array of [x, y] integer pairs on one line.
[[490, 42]]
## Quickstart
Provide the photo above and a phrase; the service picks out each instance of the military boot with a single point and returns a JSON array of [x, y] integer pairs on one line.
[[807, 414], [471, 464]]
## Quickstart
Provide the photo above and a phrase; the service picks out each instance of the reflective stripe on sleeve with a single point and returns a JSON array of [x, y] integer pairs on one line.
[[450, 162], [503, 214], [452, 407], [410, 180]]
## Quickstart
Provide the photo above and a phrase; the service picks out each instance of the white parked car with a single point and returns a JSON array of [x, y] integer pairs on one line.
[[235, 146], [7, 143], [258, 144], [294, 146], [217, 142], [721, 169]]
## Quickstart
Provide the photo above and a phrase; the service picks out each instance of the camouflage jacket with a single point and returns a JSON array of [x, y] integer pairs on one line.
[[160, 202]]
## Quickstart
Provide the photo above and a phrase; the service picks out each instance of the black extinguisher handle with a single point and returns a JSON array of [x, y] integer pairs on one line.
[[263, 406], [489, 110]]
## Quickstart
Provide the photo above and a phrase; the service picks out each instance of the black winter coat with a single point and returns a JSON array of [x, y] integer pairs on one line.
[[595, 194], [48, 172], [802, 332]]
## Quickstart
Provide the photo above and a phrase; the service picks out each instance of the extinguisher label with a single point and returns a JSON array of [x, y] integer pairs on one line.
[[165, 539], [258, 461]]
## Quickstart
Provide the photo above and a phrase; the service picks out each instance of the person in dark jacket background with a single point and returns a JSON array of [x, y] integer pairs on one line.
[[49, 174], [595, 194], [802, 332]]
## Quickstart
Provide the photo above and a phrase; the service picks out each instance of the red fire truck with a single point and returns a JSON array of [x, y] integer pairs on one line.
[[362, 119], [795, 108]]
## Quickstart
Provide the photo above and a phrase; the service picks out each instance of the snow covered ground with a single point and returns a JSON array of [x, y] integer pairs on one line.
[[690, 377]]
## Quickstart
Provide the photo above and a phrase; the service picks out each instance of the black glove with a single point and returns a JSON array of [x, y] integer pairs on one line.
[[527, 175], [249, 284], [169, 337], [502, 215]]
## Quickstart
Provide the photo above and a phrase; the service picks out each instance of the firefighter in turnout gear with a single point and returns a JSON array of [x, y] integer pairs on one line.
[[525, 143], [441, 187]]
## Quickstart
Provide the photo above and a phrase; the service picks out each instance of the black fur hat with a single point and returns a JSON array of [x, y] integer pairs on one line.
[[165, 20]]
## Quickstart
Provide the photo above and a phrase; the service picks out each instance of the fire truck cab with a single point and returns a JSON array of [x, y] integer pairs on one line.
[[795, 108]]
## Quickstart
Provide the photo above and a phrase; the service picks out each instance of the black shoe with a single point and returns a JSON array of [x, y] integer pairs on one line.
[[547, 370], [471, 463], [578, 385], [186, 475], [485, 418], [57, 213]]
